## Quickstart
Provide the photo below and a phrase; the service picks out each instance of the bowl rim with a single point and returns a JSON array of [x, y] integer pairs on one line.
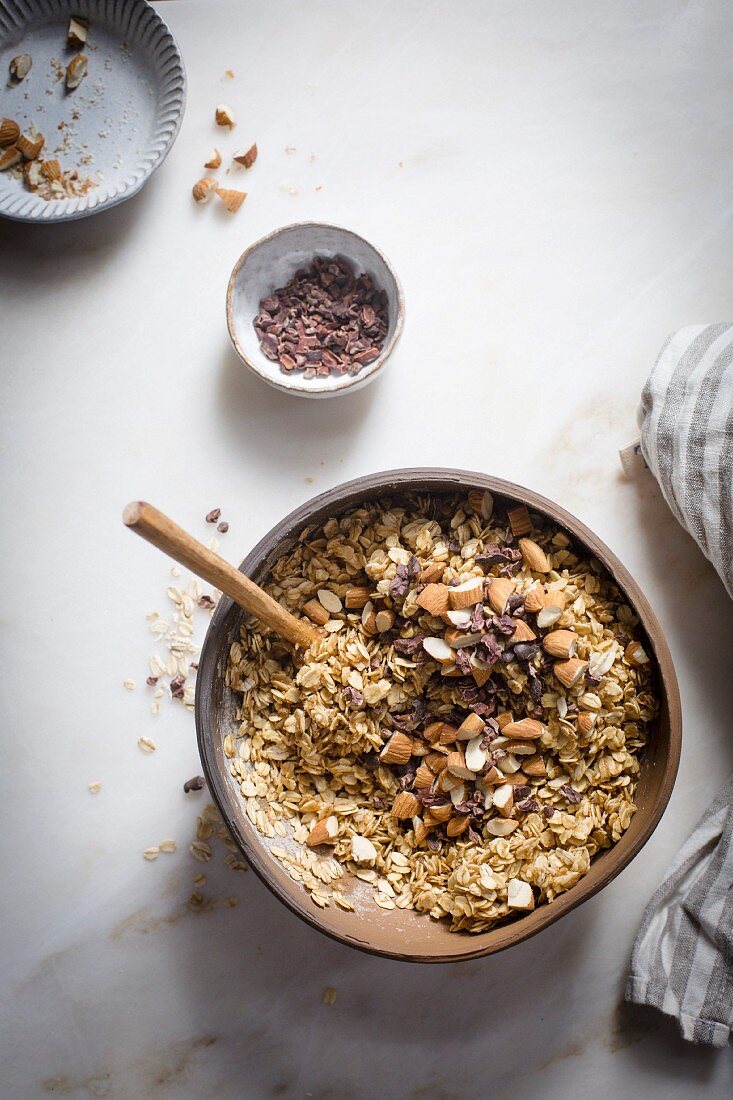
[[446, 480], [325, 386]]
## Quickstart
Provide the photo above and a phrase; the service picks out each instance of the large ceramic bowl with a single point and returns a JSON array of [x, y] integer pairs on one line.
[[404, 934]]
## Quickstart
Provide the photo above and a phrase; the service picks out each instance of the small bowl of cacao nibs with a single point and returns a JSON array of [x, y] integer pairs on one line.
[[314, 310]]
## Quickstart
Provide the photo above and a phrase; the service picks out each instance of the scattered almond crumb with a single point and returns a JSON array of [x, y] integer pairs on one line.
[[95, 787], [329, 995], [175, 571], [231, 902], [224, 116], [229, 74], [146, 744], [129, 684]]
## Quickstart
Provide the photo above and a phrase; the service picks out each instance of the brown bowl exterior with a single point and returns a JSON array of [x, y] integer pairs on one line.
[[403, 934]]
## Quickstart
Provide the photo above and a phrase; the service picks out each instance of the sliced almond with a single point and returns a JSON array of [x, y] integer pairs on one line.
[[535, 767], [460, 618], [520, 748], [316, 612], [446, 780], [491, 777], [528, 729], [560, 643], [438, 650], [457, 825], [481, 503], [517, 779], [9, 157], [522, 633], [405, 805], [470, 727], [76, 70], [362, 849], [31, 145], [534, 556], [9, 131], [76, 36], [384, 620], [569, 672], [398, 749], [458, 793], [503, 798], [431, 572], [636, 655], [330, 601], [214, 160], [548, 615], [434, 599], [420, 831], [203, 189], [20, 66], [519, 520], [467, 593], [500, 590], [476, 756], [246, 157], [356, 598], [323, 832], [601, 662], [519, 894], [501, 826], [231, 199], [224, 116]]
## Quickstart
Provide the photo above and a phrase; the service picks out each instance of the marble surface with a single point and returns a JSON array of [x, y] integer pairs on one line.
[[552, 183]]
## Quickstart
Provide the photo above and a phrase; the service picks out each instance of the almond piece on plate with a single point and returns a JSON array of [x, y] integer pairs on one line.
[[481, 503], [457, 825], [500, 590], [560, 643], [439, 650], [635, 654], [523, 633], [30, 145], [203, 189], [398, 749], [9, 157], [76, 70], [32, 175], [471, 726], [431, 572], [323, 832], [519, 894], [534, 556], [246, 157], [535, 767], [362, 849], [519, 520], [424, 777], [434, 599], [76, 36], [405, 805], [20, 66], [51, 170], [231, 199], [355, 598], [214, 160], [501, 826], [316, 612], [467, 593], [528, 729], [503, 797], [224, 116], [9, 131], [569, 672]]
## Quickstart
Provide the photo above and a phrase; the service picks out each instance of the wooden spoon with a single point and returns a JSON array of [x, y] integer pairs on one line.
[[150, 524]]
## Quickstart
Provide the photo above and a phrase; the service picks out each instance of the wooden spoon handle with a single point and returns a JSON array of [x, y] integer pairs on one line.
[[150, 524]]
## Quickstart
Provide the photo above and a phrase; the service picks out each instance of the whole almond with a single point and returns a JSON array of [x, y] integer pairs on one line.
[[560, 643], [9, 131], [534, 556]]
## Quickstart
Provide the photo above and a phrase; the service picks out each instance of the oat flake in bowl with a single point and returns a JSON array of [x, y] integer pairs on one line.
[[467, 737]]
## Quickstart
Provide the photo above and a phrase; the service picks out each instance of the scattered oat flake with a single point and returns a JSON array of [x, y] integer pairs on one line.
[[167, 845], [95, 787], [200, 850], [146, 744], [152, 853], [329, 995], [200, 880]]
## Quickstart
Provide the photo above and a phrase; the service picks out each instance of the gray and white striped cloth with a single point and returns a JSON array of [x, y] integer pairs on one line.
[[682, 962]]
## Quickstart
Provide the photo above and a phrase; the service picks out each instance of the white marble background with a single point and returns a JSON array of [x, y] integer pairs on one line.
[[552, 182]]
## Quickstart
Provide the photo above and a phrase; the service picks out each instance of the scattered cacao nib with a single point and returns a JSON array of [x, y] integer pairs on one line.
[[354, 697], [325, 320], [535, 684], [571, 794], [223, 527], [464, 808], [548, 811], [213, 515], [176, 686], [196, 784], [483, 709], [194, 664], [572, 707], [528, 806], [507, 656], [152, 680], [409, 647], [515, 606], [206, 603]]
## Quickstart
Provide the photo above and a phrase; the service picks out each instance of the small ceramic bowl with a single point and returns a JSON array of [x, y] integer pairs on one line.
[[270, 263]]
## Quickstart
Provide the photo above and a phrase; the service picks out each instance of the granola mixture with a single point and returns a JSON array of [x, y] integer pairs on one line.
[[466, 737]]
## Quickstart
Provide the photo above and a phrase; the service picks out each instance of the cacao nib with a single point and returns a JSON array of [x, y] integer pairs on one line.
[[521, 792], [496, 555], [176, 686], [409, 647], [571, 794], [354, 697], [196, 784], [548, 811], [525, 651], [528, 806], [463, 662], [503, 624]]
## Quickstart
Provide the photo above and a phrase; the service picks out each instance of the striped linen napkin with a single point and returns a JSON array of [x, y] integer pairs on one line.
[[682, 961]]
